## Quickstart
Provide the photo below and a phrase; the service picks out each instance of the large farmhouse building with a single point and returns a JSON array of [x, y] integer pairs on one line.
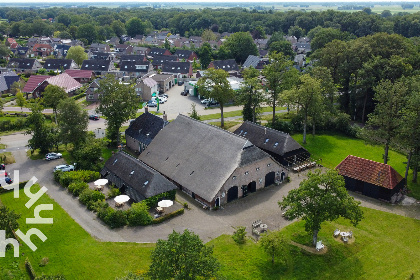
[[210, 164]]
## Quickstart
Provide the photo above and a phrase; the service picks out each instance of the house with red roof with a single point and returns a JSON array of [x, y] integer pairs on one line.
[[42, 50], [82, 76], [37, 84], [371, 178]]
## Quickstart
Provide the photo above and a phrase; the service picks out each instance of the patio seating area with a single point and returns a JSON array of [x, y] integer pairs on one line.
[[258, 227], [304, 166], [344, 236]]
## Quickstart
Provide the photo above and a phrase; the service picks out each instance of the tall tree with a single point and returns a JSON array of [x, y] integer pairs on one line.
[[273, 244], [206, 55], [321, 197], [307, 96], [72, 122], [8, 221], [282, 47], [77, 53], [251, 94], [42, 136], [241, 45], [87, 31], [280, 76], [215, 85], [52, 96], [20, 100], [208, 35], [4, 51], [118, 103], [384, 123], [118, 27], [182, 257], [135, 26]]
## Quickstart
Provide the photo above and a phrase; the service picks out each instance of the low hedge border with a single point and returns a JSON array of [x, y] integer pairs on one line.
[[170, 215]]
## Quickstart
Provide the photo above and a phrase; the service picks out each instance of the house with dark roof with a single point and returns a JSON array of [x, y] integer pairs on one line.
[[100, 55], [186, 55], [140, 50], [281, 146], [124, 48], [6, 81], [59, 65], [114, 41], [133, 57], [165, 82], [23, 52], [159, 51], [82, 76], [135, 68], [143, 130], [227, 65], [60, 51], [92, 93], [26, 65], [98, 66], [145, 87], [255, 62], [96, 47], [159, 60], [180, 69], [210, 164], [134, 178], [33, 83], [371, 178]]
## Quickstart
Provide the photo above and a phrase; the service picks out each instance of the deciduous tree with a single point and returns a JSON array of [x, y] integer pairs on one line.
[[251, 94], [72, 122], [273, 244], [20, 100], [182, 257], [321, 197], [8, 220], [77, 53], [241, 45], [118, 103], [52, 96], [215, 85], [42, 133]]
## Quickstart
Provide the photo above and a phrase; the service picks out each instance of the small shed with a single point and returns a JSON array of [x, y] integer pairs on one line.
[[371, 178]]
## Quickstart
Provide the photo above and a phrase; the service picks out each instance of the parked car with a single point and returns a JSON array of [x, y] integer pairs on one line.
[[64, 167], [163, 95], [93, 117], [6, 180], [161, 99], [180, 83], [2, 166], [205, 101], [152, 103], [212, 103], [51, 156], [184, 93]]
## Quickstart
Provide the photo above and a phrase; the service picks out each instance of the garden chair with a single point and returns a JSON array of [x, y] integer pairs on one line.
[[336, 232], [350, 234], [345, 239]]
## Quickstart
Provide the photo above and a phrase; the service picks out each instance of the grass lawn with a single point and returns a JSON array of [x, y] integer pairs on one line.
[[386, 246], [235, 113], [70, 249], [228, 124], [333, 148]]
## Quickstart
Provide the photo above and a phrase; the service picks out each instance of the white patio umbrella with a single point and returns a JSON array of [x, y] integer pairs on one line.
[[165, 203], [121, 198], [101, 182]]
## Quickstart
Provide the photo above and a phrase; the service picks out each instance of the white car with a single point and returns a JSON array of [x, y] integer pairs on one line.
[[161, 99], [64, 167], [51, 156], [205, 101]]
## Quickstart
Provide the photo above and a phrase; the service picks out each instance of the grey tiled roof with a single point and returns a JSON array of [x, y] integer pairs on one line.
[[227, 65], [252, 60], [198, 156], [176, 67], [58, 64], [7, 79], [140, 180], [96, 65], [145, 127], [135, 66], [22, 63]]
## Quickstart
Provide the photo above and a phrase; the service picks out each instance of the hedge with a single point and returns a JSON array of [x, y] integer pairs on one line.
[[18, 124], [170, 215], [88, 197], [77, 187], [153, 201], [30, 269], [66, 178]]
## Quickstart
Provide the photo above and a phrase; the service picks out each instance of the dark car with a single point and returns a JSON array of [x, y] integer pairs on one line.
[[2, 166], [93, 117], [180, 83]]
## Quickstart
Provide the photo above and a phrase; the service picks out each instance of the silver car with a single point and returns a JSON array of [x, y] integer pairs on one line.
[[64, 167], [51, 156]]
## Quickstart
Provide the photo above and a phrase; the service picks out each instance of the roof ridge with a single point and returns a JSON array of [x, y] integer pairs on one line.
[[266, 127], [216, 127]]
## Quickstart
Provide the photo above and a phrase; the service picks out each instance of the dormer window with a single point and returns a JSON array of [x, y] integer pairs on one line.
[[132, 172], [276, 144], [266, 141]]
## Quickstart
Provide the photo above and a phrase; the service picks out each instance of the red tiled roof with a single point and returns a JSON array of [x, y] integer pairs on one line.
[[369, 171], [64, 81], [33, 82], [36, 46], [79, 73]]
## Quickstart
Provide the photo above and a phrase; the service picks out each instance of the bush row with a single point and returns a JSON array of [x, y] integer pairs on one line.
[[153, 201], [170, 215], [18, 124], [66, 178]]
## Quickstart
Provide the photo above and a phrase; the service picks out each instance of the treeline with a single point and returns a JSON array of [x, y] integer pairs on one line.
[[97, 24]]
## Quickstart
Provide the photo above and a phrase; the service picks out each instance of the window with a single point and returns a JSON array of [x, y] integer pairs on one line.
[[268, 165], [246, 172], [257, 168], [145, 183], [241, 132], [234, 178], [132, 172], [90, 96], [245, 133], [115, 161], [266, 141], [141, 67], [276, 144]]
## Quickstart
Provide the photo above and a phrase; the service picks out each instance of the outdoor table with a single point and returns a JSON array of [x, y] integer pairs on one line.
[[263, 226], [159, 209], [344, 234]]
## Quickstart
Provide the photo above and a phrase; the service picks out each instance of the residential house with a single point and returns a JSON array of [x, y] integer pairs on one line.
[[24, 65], [114, 41], [302, 48], [261, 43], [165, 82], [132, 57], [11, 42], [186, 55], [159, 60], [96, 47], [32, 42], [180, 69], [281, 146], [227, 65], [255, 61], [158, 51], [65, 81], [6, 81], [82, 76], [124, 48], [42, 50], [100, 55], [98, 66], [33, 83], [59, 65], [291, 39], [134, 178], [145, 87], [143, 130], [371, 178], [135, 68], [60, 51], [210, 164], [23, 52], [141, 50], [92, 93]]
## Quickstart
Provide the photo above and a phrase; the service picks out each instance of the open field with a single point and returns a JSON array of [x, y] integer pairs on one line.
[[378, 239]]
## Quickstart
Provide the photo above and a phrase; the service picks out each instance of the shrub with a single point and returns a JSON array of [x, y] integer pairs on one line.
[[113, 192], [281, 125], [99, 205], [113, 218], [30, 269], [66, 178], [88, 197], [76, 188], [239, 235], [170, 215], [138, 214], [152, 201], [44, 261]]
